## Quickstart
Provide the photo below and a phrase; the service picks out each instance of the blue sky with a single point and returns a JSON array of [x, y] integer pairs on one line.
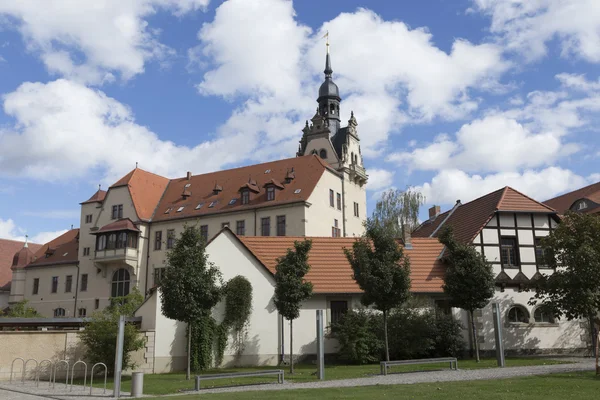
[[454, 97]]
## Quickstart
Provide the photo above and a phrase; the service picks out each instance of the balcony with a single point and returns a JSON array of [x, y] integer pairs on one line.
[[117, 243], [111, 256], [358, 173]]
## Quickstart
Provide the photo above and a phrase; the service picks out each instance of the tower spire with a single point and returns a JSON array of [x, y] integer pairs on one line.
[[328, 71]]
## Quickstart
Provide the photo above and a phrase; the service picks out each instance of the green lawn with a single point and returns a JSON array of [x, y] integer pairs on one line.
[[174, 383], [578, 386]]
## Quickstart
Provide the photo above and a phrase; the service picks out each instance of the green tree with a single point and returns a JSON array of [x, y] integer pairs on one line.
[[573, 250], [100, 333], [190, 286], [290, 287], [21, 310], [469, 278], [238, 307], [398, 210], [381, 270]]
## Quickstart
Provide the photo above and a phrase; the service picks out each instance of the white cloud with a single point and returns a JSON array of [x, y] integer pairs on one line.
[[527, 26], [578, 82], [89, 41], [380, 179], [9, 230], [451, 185]]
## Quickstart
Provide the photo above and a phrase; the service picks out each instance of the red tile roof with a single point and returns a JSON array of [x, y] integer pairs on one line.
[[146, 190], [8, 249], [564, 202], [124, 224], [97, 197], [62, 250], [468, 219], [308, 170], [330, 271]]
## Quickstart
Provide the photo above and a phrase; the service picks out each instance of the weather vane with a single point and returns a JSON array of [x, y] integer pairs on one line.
[[326, 35]]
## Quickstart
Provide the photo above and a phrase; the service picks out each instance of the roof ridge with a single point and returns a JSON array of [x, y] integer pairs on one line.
[[574, 191], [504, 190], [19, 241], [530, 198]]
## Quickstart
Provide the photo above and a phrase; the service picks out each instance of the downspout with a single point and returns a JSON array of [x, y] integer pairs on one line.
[[255, 222], [343, 206], [76, 291], [147, 263]]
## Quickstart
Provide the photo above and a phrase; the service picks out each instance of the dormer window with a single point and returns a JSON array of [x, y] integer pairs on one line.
[[270, 193], [245, 196], [582, 205]]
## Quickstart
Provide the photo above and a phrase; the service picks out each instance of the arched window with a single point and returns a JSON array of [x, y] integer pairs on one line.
[[59, 312], [332, 109], [323, 154], [518, 314], [543, 315], [120, 283], [352, 158]]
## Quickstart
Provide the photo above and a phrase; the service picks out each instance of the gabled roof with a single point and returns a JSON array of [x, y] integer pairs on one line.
[[8, 249], [124, 224], [145, 189], [97, 197], [330, 271], [468, 219], [62, 250], [564, 202], [307, 170]]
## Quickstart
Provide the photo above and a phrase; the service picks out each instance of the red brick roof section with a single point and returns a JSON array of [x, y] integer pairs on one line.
[[513, 200], [62, 250], [124, 224], [145, 188], [330, 271], [97, 197], [564, 202], [8, 249], [308, 170]]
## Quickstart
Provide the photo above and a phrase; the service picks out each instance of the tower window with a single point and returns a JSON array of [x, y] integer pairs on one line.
[[323, 154], [332, 109]]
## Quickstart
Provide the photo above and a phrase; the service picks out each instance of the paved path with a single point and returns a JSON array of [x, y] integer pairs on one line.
[[30, 392]]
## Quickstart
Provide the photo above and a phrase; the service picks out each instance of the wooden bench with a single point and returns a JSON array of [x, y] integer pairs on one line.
[[386, 364], [278, 372]]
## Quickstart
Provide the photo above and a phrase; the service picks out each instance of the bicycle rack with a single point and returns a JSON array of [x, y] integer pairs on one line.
[[23, 375], [92, 376], [66, 373], [12, 366], [84, 373], [40, 368]]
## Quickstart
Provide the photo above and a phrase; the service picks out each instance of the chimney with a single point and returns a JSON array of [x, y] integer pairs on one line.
[[407, 239], [189, 175], [434, 212]]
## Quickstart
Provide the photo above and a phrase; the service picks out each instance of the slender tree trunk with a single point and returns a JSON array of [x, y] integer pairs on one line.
[[291, 348], [385, 335], [591, 322], [474, 326], [189, 352]]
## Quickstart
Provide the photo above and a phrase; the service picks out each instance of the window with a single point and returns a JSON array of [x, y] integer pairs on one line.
[[268, 171], [180, 209], [132, 240], [335, 230], [120, 283], [270, 193], [240, 228], [168, 210], [36, 286], [582, 205], [158, 274], [518, 314], [170, 238], [509, 252], [112, 241], [82, 312], [88, 219], [59, 312], [245, 196], [338, 309], [265, 226], [331, 198], [543, 315], [232, 202], [204, 233], [539, 254], [339, 201], [157, 240], [323, 154], [121, 240], [281, 225], [84, 282], [212, 204], [224, 224], [86, 251], [101, 242], [54, 284], [68, 283], [117, 211], [97, 304], [297, 191], [199, 206], [356, 213]]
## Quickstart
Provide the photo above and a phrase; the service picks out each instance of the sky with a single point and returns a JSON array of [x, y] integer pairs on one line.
[[456, 98]]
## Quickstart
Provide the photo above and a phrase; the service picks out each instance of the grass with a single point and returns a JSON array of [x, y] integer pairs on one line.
[[584, 385], [175, 382]]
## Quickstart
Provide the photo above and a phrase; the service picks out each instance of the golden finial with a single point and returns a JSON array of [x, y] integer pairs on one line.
[[326, 35]]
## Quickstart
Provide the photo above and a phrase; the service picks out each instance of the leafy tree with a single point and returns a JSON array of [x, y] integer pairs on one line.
[[21, 310], [398, 210], [356, 333], [290, 287], [469, 278], [190, 286], [238, 307], [100, 333], [573, 249], [381, 270]]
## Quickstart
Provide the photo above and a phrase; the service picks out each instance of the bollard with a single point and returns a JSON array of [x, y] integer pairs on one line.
[[137, 384], [197, 383]]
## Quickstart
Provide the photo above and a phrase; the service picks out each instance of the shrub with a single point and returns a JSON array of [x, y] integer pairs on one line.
[[448, 339], [356, 333]]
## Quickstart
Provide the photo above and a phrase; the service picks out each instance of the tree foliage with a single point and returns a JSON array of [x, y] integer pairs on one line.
[[290, 287], [397, 210], [21, 310], [238, 307], [573, 249], [381, 270], [469, 280], [100, 333]]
